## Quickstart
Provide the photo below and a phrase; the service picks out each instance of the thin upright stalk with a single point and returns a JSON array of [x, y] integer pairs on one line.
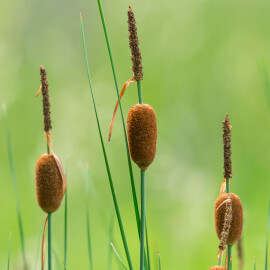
[[142, 219], [88, 227], [229, 256], [139, 87], [49, 241], [116, 206], [227, 185], [220, 256], [229, 246], [65, 241]]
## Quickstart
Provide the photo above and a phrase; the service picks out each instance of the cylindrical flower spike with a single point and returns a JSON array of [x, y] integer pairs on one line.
[[217, 268], [228, 218], [142, 134], [50, 183]]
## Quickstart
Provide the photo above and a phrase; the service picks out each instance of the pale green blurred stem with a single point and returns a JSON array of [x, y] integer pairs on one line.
[[229, 246], [142, 219], [49, 241]]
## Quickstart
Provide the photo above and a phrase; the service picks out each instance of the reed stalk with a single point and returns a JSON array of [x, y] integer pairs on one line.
[[65, 229], [142, 219], [88, 224], [120, 223], [49, 241]]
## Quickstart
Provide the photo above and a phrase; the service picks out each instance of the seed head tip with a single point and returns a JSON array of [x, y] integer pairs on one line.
[[134, 46]]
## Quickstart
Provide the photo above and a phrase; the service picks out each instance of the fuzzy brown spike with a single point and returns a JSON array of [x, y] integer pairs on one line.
[[142, 134], [227, 147], [217, 268], [226, 225], [46, 99], [50, 184], [134, 46]]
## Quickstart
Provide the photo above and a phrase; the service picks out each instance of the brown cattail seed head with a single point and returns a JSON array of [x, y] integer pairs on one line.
[[236, 217], [217, 268], [134, 46], [50, 184], [142, 134], [46, 99], [227, 148]]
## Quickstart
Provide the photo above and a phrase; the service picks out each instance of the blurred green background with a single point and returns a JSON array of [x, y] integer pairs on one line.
[[199, 64]]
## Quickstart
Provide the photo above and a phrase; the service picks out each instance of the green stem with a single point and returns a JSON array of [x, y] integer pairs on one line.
[[142, 219], [229, 256], [88, 228], [120, 223], [220, 259], [49, 241], [229, 246], [147, 245], [65, 242], [139, 87], [227, 185]]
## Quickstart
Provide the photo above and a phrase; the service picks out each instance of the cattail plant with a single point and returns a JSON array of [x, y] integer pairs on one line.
[[50, 176], [141, 124], [228, 207]]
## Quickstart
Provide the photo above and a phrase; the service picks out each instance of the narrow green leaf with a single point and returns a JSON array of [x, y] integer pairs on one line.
[[147, 246], [267, 234], [88, 225], [254, 267], [118, 256], [9, 245], [111, 229], [105, 158], [15, 187], [133, 189]]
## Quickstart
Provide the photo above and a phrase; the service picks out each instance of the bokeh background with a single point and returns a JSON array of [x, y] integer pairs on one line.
[[199, 60]]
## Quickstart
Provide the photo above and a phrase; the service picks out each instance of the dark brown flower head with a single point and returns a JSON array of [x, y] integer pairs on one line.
[[142, 134], [227, 148], [228, 213], [134, 47], [46, 99]]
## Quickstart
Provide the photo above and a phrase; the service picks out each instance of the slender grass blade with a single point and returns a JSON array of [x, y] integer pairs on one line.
[[106, 159], [111, 229], [118, 256], [134, 195], [88, 225]]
